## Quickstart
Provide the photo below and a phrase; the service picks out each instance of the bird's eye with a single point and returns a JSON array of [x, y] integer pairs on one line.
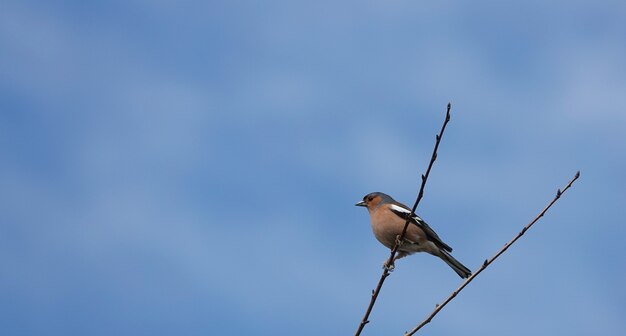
[[369, 199]]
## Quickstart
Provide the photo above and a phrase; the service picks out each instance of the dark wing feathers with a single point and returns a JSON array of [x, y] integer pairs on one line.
[[430, 233]]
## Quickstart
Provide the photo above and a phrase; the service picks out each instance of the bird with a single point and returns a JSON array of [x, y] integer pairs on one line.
[[388, 217]]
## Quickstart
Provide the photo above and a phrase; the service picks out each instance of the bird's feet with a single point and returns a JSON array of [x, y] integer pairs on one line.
[[389, 266]]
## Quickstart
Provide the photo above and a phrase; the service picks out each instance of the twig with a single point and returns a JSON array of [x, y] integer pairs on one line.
[[399, 239], [489, 261]]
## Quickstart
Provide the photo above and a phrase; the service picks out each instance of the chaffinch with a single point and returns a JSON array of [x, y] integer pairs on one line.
[[388, 217]]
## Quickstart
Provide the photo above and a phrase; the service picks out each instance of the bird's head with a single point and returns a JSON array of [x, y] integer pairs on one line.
[[373, 200]]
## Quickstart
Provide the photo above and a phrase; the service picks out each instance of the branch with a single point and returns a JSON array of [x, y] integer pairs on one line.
[[399, 239], [489, 261]]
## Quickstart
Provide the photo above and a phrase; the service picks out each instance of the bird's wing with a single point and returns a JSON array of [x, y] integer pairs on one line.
[[404, 212]]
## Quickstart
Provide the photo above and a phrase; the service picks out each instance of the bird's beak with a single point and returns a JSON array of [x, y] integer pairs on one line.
[[362, 203]]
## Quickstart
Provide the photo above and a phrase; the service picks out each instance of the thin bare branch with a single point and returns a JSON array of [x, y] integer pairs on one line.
[[489, 261], [389, 262]]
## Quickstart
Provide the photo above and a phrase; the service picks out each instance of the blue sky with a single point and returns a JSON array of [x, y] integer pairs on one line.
[[190, 168]]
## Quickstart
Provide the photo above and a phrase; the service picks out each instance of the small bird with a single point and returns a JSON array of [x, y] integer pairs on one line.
[[387, 217]]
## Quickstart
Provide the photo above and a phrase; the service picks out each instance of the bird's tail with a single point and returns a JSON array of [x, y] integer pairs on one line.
[[456, 265]]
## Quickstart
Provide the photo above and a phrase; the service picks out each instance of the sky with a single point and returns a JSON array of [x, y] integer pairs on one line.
[[191, 167]]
